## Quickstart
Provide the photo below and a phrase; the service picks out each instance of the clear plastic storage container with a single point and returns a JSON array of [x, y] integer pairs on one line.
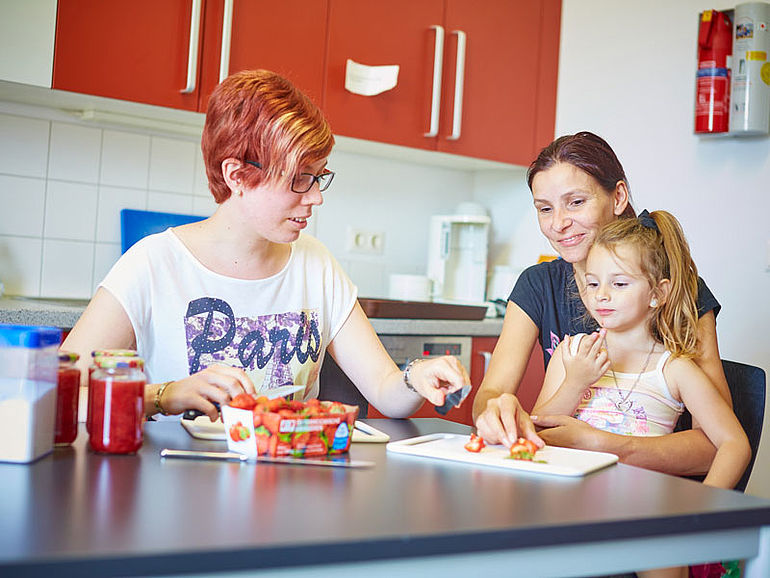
[[29, 364]]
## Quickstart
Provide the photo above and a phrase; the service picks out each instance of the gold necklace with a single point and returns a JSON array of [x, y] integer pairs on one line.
[[623, 404]]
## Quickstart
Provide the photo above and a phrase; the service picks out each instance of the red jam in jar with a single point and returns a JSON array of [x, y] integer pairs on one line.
[[97, 356], [117, 406], [67, 392]]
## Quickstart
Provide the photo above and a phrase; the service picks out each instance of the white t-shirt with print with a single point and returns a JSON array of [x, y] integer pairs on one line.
[[186, 317]]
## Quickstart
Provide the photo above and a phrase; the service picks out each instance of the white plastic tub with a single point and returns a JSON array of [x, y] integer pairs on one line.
[[28, 376]]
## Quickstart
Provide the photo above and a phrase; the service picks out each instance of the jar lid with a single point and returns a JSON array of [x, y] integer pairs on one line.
[[68, 356], [116, 362], [114, 353]]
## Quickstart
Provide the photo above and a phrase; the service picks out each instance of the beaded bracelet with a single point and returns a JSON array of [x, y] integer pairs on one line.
[[158, 408], [408, 368]]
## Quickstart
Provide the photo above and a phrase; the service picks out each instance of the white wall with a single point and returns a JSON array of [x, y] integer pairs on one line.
[[627, 73]]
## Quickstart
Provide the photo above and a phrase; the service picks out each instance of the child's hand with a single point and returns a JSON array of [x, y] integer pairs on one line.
[[585, 362]]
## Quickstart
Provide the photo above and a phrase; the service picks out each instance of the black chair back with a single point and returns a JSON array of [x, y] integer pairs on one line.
[[747, 387], [334, 385]]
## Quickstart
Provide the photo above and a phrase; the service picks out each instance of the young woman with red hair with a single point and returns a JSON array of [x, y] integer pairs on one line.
[[243, 300]]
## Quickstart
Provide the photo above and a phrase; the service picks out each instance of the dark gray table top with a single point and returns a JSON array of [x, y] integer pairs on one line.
[[87, 514]]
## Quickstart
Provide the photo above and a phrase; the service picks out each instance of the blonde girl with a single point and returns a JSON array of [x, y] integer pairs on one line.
[[637, 375]]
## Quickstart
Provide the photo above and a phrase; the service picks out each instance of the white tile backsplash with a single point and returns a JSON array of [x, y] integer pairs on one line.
[[204, 206], [200, 181], [20, 259], [125, 159], [172, 165], [105, 256], [23, 201], [169, 202], [70, 211], [111, 201], [75, 153], [86, 174], [67, 269], [23, 146]]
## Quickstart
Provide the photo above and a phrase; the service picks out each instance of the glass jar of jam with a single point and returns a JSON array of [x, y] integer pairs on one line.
[[96, 357], [117, 405], [67, 394]]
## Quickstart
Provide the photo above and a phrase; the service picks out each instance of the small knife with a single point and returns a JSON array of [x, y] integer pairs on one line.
[[453, 399], [200, 455]]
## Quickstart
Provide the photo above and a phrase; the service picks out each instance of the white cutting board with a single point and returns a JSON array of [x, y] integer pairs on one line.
[[558, 461], [203, 428]]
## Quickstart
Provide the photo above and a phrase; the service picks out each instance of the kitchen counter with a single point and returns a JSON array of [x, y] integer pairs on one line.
[[77, 513], [40, 311], [65, 312]]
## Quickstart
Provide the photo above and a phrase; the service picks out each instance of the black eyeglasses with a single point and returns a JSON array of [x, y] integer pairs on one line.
[[303, 182]]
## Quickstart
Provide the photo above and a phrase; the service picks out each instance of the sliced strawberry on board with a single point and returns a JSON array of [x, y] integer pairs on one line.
[[475, 444]]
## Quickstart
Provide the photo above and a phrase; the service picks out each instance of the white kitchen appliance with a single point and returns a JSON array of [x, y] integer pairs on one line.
[[457, 257]]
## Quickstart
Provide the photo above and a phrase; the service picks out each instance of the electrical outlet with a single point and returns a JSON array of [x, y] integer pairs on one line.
[[367, 242]]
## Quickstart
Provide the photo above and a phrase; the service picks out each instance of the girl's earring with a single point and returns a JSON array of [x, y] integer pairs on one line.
[[654, 302]]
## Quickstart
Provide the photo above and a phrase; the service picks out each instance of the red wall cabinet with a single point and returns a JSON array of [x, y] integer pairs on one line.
[[287, 37], [134, 50], [500, 105], [170, 53], [173, 53]]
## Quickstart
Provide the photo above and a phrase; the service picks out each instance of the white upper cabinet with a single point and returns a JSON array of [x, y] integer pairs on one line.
[[27, 30]]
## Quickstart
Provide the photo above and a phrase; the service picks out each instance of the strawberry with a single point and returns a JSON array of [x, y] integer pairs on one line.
[[263, 441], [296, 405], [276, 404], [523, 449], [271, 421], [475, 444], [243, 401]]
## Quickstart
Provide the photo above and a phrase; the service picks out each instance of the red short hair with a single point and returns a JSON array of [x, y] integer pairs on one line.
[[260, 116]]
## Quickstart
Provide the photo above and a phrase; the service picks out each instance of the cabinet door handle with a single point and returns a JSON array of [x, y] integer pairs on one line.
[[227, 35], [192, 55], [487, 355], [457, 115], [438, 65]]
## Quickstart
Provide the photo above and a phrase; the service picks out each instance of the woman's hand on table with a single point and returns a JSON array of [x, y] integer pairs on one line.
[[503, 421], [437, 377], [217, 383]]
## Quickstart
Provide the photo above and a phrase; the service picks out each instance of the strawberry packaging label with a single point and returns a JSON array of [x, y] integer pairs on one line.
[[280, 427]]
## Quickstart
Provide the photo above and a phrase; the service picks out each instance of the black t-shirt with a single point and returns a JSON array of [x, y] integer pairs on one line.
[[547, 293]]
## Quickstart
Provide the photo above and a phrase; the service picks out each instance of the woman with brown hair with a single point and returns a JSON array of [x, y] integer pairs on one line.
[[578, 185]]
